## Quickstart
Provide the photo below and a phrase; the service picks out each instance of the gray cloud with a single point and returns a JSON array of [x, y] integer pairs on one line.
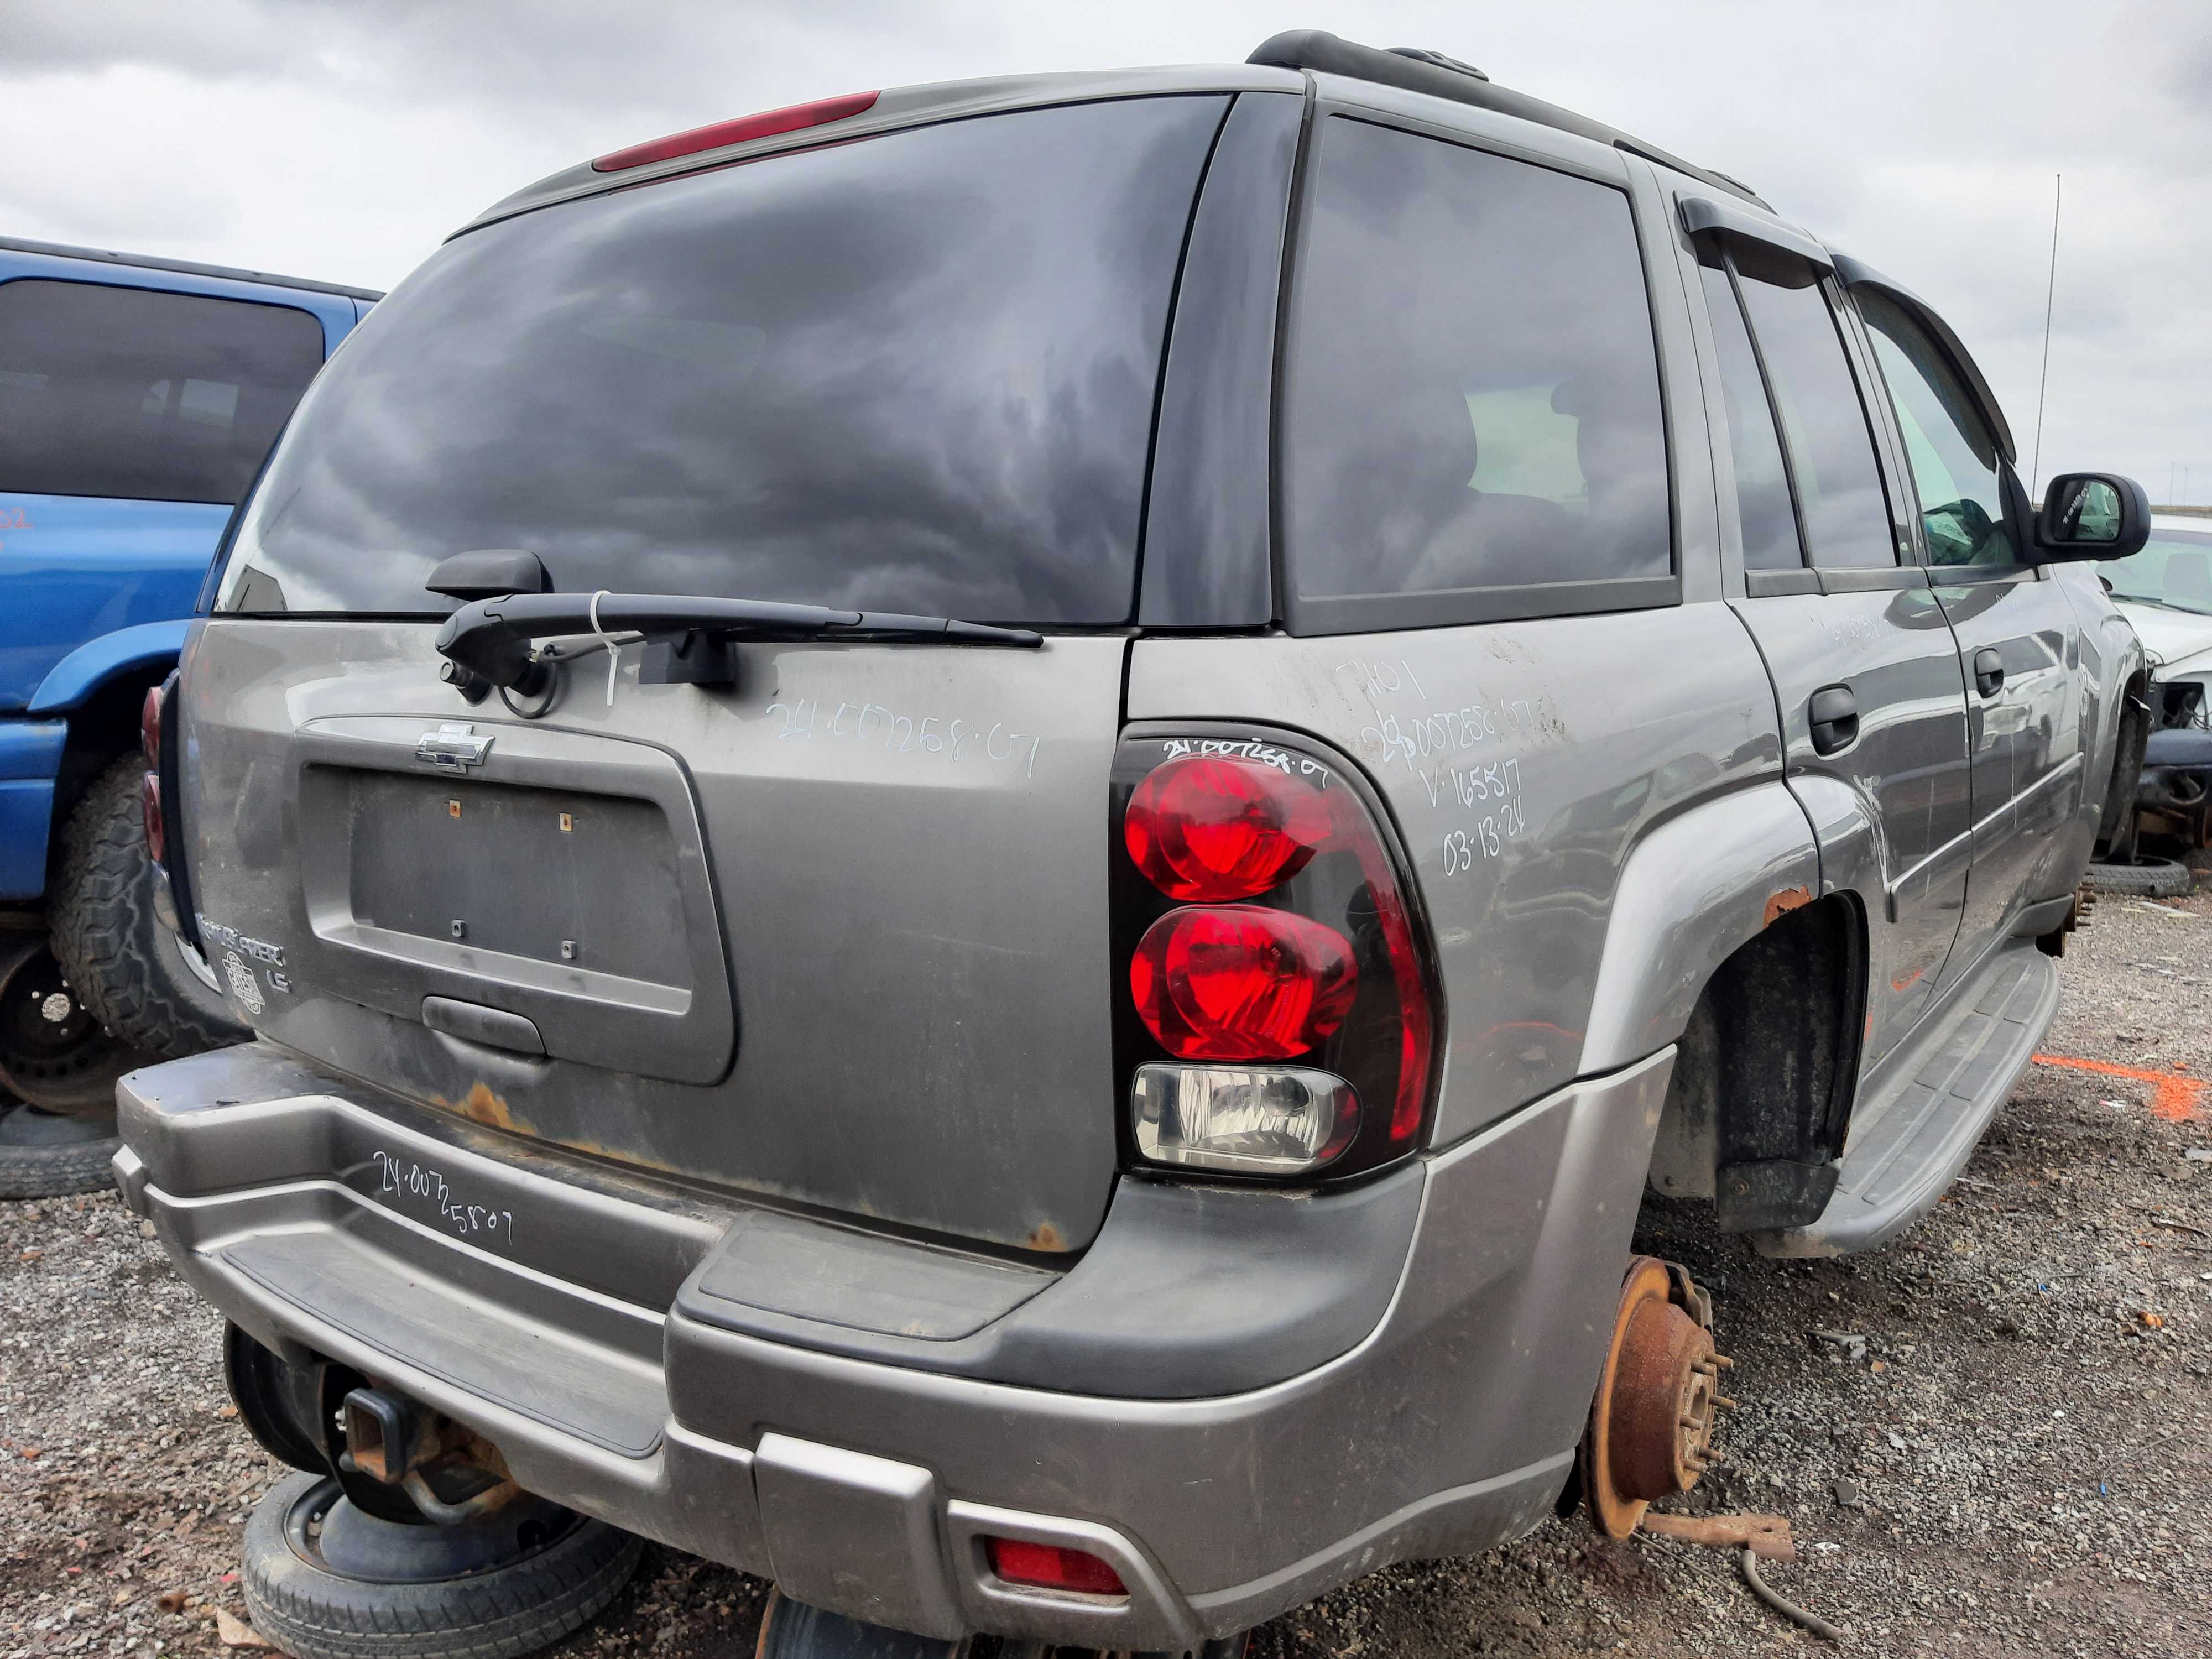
[[344, 139]]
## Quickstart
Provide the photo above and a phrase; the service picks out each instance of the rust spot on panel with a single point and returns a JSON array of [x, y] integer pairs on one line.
[[1046, 1236], [1908, 982], [1788, 899], [485, 1107]]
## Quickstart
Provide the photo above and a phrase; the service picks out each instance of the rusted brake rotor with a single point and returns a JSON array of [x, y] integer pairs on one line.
[[1650, 1430]]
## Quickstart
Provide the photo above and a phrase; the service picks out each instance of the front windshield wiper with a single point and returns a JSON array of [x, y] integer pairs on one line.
[[489, 639]]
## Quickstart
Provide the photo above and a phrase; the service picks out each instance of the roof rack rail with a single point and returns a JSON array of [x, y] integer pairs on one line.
[[1419, 70], [186, 267]]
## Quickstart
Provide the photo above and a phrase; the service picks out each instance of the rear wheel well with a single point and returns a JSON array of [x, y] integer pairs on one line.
[[1765, 1069], [2126, 781]]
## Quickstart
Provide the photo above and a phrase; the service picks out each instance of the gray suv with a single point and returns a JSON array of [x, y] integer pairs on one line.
[[981, 839]]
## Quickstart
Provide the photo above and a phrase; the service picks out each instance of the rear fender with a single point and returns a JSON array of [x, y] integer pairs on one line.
[[1693, 890]]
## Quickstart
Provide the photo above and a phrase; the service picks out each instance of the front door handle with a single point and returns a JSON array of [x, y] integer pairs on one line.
[[1835, 716], [1988, 672]]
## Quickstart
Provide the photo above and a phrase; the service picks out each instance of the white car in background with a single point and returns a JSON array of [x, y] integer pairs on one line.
[[2166, 592]]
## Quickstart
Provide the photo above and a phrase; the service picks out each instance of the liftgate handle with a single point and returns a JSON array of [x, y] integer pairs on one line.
[[1988, 672], [1835, 719]]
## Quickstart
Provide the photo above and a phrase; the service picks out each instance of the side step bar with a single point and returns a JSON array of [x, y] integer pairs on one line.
[[1911, 1140]]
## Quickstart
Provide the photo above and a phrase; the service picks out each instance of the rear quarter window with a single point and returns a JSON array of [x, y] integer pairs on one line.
[[136, 393], [1472, 402]]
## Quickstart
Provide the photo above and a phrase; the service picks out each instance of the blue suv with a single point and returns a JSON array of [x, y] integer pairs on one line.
[[137, 398]]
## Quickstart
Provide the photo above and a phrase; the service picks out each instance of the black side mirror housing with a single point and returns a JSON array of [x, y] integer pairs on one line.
[[2092, 515]]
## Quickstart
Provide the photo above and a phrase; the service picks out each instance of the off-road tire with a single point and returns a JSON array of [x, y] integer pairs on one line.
[[2151, 878], [55, 1171], [127, 969], [311, 1612]]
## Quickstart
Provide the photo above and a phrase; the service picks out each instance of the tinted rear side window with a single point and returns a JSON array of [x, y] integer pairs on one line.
[[1764, 508], [1839, 490], [913, 373], [1473, 391], [133, 393]]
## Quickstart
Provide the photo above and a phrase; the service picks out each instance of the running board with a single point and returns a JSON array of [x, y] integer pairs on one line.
[[1908, 1142]]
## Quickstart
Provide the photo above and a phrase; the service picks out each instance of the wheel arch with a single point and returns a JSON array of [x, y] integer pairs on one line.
[[99, 688], [1722, 943]]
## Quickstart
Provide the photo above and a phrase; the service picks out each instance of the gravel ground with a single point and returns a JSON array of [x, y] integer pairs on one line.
[[2014, 1462]]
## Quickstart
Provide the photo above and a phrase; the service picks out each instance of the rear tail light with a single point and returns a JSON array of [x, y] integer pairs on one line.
[[150, 786], [765, 125], [1241, 982], [1051, 1566], [1282, 1120], [1279, 1020]]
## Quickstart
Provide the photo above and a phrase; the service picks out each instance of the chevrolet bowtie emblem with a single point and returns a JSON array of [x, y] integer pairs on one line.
[[453, 747]]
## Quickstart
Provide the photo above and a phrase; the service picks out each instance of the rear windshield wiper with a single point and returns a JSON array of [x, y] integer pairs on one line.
[[489, 639]]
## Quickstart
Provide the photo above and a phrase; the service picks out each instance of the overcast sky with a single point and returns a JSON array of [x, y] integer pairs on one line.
[[344, 140]]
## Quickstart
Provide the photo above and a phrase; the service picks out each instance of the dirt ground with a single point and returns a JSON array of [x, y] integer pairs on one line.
[[2014, 1459]]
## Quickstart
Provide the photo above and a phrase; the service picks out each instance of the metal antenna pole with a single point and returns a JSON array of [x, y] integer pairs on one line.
[[2035, 466]]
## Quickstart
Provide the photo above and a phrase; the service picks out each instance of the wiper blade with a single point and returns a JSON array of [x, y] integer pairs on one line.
[[490, 638]]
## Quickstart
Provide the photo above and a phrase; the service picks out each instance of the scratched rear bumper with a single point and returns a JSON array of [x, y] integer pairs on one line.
[[570, 1314]]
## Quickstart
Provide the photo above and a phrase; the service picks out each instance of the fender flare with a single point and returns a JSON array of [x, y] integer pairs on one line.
[[134, 651], [1692, 891]]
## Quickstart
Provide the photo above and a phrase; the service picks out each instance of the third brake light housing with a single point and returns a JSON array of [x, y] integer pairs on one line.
[[1276, 1009]]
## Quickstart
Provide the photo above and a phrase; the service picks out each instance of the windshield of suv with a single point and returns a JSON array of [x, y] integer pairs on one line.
[[912, 373], [2174, 570]]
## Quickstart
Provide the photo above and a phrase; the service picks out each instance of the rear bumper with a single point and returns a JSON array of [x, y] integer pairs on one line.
[[859, 1467]]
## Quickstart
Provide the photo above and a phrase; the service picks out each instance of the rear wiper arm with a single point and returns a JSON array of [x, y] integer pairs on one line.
[[489, 639]]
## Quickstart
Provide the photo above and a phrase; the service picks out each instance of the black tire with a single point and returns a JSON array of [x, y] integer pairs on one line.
[[2150, 878], [312, 1611], [43, 1156], [129, 969]]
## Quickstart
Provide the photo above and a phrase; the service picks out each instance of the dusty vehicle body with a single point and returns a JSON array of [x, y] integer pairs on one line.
[[720, 1095]]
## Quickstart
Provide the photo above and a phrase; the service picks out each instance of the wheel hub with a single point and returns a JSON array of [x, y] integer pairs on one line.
[[1650, 1430], [52, 1052]]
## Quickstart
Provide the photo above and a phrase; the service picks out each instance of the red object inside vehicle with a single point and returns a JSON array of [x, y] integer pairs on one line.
[[1242, 984], [765, 125], [1212, 828], [1049, 1566]]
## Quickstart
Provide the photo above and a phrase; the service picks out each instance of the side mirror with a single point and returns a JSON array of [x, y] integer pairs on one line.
[[2092, 515]]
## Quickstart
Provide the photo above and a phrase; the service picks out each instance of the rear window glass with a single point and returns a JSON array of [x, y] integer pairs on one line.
[[133, 393], [1472, 390], [913, 373]]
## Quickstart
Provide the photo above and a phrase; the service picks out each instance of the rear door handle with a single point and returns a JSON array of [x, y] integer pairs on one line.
[[1988, 672], [1835, 716]]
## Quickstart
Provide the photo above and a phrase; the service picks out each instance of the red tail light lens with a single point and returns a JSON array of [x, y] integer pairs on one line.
[[1282, 1018], [765, 125], [1242, 984], [1212, 828], [149, 808], [1051, 1566], [149, 725]]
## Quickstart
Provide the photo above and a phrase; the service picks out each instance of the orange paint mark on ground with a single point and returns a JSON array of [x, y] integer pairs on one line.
[[2176, 1099]]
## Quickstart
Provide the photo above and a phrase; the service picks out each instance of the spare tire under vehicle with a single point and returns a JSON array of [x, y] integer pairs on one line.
[[137, 978]]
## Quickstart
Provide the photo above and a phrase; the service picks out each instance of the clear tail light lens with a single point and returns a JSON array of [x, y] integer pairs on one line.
[[1241, 982], [1278, 1120], [1262, 914]]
